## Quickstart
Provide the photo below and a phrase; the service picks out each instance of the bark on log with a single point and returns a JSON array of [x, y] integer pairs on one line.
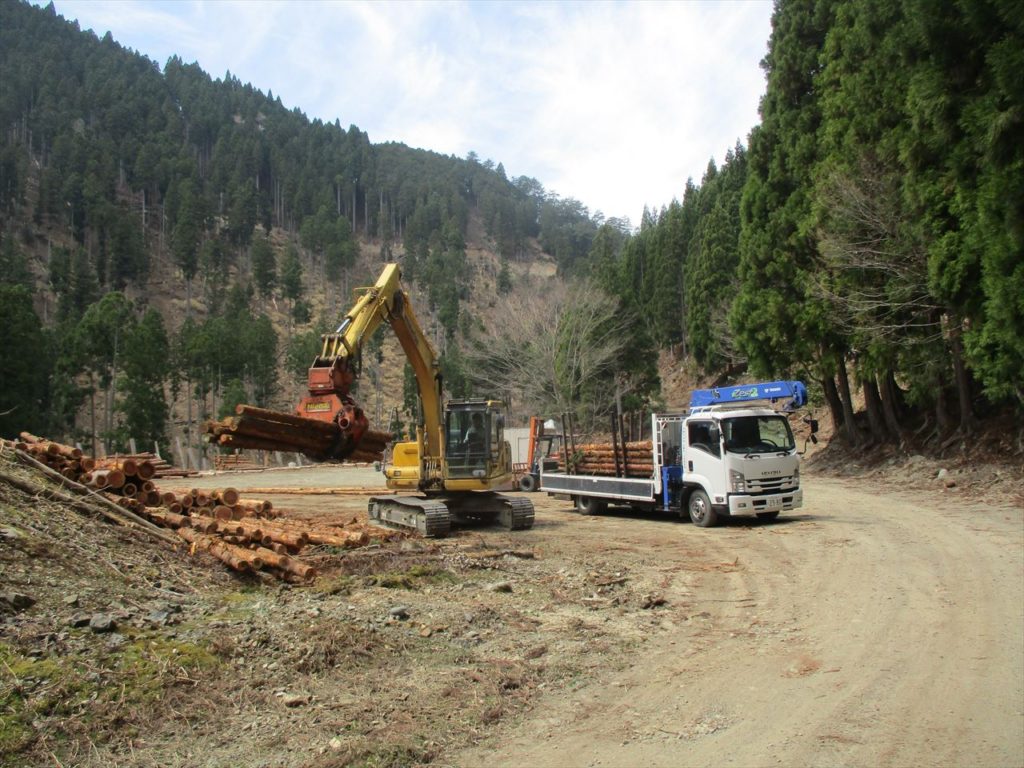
[[284, 418], [209, 544]]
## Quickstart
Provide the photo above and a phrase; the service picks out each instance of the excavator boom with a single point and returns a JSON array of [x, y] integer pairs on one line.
[[459, 456], [336, 368]]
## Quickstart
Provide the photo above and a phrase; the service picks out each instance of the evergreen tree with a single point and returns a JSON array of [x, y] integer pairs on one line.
[[24, 364], [264, 267], [145, 365]]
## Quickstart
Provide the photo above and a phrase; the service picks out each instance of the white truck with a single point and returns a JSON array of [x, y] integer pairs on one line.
[[731, 454]]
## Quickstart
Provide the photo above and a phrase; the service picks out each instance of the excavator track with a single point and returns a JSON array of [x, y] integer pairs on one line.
[[428, 516], [517, 514]]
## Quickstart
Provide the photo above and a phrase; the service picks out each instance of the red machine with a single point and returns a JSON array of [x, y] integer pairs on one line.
[[329, 400]]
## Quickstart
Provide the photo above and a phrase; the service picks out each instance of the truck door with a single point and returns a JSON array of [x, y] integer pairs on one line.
[[703, 456]]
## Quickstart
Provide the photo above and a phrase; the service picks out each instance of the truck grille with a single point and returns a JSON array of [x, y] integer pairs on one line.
[[770, 484]]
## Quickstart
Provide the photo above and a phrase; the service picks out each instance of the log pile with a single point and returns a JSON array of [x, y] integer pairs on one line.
[[261, 429], [247, 534], [599, 459], [234, 462]]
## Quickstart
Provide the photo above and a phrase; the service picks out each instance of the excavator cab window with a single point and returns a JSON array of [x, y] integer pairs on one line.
[[470, 437]]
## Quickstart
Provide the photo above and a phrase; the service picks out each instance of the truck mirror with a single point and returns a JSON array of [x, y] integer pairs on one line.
[[715, 434]]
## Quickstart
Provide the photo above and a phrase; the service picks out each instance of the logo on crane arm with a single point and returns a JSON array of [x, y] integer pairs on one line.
[[743, 394]]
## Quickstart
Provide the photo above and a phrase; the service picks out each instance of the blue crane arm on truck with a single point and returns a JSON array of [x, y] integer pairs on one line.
[[731, 454]]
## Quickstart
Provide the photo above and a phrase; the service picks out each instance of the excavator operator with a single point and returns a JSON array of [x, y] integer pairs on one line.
[[475, 439]]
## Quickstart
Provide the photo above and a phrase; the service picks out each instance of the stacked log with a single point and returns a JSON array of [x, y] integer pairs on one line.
[[600, 459], [245, 533], [226, 462], [161, 467], [261, 429]]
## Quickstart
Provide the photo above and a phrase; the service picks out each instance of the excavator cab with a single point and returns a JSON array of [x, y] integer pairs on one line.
[[474, 439]]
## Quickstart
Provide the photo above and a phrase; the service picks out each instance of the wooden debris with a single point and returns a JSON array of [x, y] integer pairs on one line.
[[247, 534]]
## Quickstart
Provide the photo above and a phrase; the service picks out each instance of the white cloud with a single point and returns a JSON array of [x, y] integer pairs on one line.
[[613, 103]]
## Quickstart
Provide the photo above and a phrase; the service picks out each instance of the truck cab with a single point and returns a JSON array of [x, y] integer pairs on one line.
[[739, 461]]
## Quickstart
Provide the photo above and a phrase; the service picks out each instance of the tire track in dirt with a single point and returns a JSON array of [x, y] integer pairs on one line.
[[876, 629]]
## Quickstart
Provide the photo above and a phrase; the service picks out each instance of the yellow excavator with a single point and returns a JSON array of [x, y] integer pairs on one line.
[[459, 457]]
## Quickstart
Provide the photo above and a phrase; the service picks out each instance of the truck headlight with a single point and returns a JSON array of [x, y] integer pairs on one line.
[[796, 476], [737, 481]]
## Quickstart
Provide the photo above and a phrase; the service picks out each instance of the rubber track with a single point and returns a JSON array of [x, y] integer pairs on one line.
[[432, 518], [522, 512]]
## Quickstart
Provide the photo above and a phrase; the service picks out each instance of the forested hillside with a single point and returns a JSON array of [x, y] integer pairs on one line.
[[173, 243], [121, 181], [874, 228]]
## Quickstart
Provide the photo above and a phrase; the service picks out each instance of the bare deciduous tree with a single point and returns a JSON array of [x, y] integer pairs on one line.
[[558, 350]]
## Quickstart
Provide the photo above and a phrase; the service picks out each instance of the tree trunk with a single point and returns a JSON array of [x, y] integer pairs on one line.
[[112, 396], [835, 404], [892, 403], [92, 415], [941, 407], [850, 429], [962, 378], [873, 403]]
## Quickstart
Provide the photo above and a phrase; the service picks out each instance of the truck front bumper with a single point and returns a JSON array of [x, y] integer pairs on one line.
[[742, 505]]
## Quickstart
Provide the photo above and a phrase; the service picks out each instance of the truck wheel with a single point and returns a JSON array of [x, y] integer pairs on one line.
[[588, 505], [701, 513], [527, 483], [767, 515]]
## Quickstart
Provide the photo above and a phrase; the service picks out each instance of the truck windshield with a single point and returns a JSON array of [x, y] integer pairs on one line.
[[757, 434]]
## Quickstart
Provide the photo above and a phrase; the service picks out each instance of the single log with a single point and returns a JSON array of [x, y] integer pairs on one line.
[[111, 478], [261, 504], [273, 559], [209, 544], [339, 538], [226, 496], [283, 438], [311, 430], [126, 465], [303, 571], [639, 445], [167, 519], [223, 512], [283, 418], [242, 442], [52, 448]]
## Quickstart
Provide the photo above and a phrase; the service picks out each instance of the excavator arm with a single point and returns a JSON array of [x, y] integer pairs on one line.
[[336, 368]]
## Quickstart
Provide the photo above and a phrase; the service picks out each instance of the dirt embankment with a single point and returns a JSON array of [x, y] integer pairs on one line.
[[877, 627]]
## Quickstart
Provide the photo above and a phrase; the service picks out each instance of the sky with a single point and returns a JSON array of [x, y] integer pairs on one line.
[[615, 104]]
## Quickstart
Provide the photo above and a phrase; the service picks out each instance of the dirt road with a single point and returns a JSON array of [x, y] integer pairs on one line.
[[877, 628]]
